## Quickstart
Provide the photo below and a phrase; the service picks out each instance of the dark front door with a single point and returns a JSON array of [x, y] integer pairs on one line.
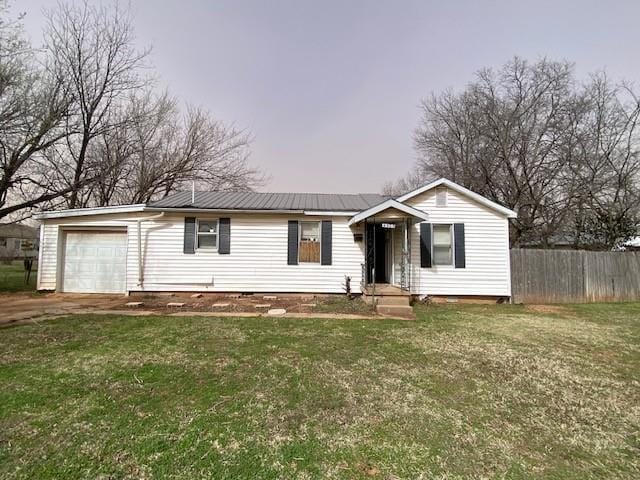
[[376, 253]]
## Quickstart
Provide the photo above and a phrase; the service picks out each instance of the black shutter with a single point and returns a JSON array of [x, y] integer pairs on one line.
[[189, 235], [224, 242], [292, 243], [425, 245], [325, 242], [458, 242]]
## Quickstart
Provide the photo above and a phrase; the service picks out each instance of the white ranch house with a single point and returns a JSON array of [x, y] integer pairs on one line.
[[439, 240]]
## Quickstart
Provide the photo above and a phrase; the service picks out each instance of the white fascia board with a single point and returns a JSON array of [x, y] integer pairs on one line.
[[463, 191], [381, 207], [81, 212]]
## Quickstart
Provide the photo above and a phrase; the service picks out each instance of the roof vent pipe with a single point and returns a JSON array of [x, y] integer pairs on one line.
[[193, 192]]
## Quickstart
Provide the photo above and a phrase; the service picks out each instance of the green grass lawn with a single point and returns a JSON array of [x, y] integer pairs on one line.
[[12, 277], [464, 392]]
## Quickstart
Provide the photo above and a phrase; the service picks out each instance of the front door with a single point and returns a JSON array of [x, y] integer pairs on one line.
[[377, 264]]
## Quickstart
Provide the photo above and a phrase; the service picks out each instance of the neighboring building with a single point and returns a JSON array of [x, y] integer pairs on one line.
[[554, 242], [18, 241], [568, 242], [632, 245], [439, 240]]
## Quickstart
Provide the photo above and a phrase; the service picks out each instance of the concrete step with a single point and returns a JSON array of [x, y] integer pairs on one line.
[[400, 311], [390, 298], [385, 300]]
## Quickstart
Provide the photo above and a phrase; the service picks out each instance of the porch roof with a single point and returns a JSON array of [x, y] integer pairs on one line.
[[388, 205]]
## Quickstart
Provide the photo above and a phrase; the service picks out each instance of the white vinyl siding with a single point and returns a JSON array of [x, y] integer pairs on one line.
[[487, 269], [257, 263]]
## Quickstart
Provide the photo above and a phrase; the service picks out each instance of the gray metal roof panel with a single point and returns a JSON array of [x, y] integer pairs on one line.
[[271, 201]]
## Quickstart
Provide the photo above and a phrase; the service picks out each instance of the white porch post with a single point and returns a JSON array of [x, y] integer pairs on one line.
[[406, 254]]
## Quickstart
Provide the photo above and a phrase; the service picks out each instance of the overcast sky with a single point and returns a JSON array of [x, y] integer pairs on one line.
[[330, 89]]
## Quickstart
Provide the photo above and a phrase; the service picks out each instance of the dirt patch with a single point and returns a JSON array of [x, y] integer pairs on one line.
[[29, 307], [257, 303], [555, 309]]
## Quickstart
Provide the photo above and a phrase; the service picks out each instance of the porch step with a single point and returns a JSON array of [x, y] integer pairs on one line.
[[400, 311], [393, 300], [384, 289]]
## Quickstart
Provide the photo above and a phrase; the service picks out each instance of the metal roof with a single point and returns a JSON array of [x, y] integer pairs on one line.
[[271, 201]]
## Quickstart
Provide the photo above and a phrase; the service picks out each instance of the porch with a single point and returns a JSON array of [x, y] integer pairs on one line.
[[386, 271]]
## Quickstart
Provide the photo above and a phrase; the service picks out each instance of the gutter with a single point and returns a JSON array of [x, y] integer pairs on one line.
[[79, 212], [139, 222]]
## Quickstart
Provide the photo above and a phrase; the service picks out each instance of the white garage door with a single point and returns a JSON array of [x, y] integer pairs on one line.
[[95, 262]]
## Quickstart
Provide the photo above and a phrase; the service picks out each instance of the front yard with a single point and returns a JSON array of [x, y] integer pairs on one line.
[[464, 392], [13, 277]]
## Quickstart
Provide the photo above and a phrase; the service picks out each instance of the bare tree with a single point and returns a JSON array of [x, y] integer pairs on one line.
[[159, 150], [606, 166], [81, 124], [412, 180], [527, 136], [92, 50], [33, 109]]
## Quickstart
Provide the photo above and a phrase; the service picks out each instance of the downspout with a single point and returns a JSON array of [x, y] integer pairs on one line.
[[139, 222]]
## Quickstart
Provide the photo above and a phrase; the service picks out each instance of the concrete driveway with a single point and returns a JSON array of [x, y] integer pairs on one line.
[[25, 307]]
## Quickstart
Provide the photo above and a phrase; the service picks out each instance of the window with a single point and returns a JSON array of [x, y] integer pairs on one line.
[[441, 197], [208, 234], [309, 248], [442, 245], [3, 242]]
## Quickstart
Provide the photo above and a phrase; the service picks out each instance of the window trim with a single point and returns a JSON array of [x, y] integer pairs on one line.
[[216, 234], [319, 223], [452, 245]]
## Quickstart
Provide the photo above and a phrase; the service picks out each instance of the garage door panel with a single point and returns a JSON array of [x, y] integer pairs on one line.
[[85, 251], [107, 252], [85, 268], [95, 262]]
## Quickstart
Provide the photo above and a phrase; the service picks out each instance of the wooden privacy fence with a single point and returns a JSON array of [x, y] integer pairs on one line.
[[565, 276]]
